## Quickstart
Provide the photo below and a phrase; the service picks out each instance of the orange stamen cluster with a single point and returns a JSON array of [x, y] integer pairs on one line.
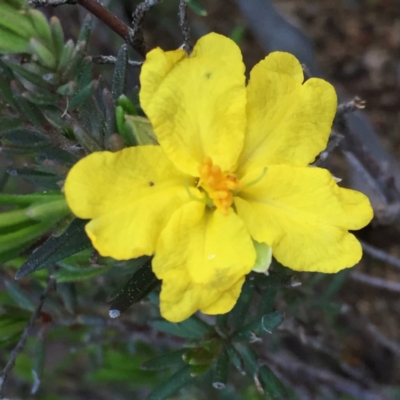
[[218, 185]]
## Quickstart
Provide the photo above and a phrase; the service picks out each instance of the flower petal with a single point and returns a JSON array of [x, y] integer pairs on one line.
[[287, 122], [304, 216], [202, 257], [129, 195], [198, 109]]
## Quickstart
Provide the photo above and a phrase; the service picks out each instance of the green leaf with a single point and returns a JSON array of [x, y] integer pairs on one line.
[[35, 78], [13, 217], [86, 140], [266, 324], [8, 123], [82, 96], [20, 297], [78, 274], [73, 240], [221, 371], [11, 43], [196, 6], [139, 286], [18, 239], [42, 28], [192, 328], [235, 358], [66, 55], [26, 138], [164, 361], [11, 327], [120, 74], [57, 35], [273, 386], [39, 358], [240, 311], [86, 29], [39, 178], [43, 54], [49, 210], [27, 199], [275, 279], [172, 385]]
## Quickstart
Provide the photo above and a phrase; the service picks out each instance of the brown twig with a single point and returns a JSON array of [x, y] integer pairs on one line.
[[184, 25], [138, 15], [108, 18], [317, 376], [380, 255], [25, 334], [373, 281]]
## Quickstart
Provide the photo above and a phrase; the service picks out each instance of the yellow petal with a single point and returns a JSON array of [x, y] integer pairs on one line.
[[304, 216], [202, 257], [129, 195], [287, 122], [198, 108]]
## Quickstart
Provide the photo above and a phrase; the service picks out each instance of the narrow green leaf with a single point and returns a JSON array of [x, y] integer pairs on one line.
[[20, 297], [78, 274], [86, 29], [45, 211], [57, 154], [36, 79], [120, 74], [13, 217], [42, 28], [8, 123], [273, 386], [43, 54], [235, 358], [86, 140], [267, 301], [192, 328], [67, 292], [73, 240], [15, 21], [275, 279], [39, 358], [57, 35], [66, 55], [27, 199], [196, 6], [15, 240], [39, 178], [41, 99], [82, 96], [266, 324], [240, 311], [142, 282], [28, 110], [221, 371], [164, 361], [26, 137], [11, 43], [172, 385], [70, 69], [6, 91]]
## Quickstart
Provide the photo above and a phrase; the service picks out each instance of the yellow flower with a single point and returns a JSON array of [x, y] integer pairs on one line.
[[231, 169]]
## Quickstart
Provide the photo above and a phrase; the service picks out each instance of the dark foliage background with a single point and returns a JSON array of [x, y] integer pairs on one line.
[[340, 338]]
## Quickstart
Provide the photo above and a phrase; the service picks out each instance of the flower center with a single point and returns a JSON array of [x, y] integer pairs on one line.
[[218, 185]]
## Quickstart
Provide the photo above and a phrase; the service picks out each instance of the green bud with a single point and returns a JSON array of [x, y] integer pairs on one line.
[[141, 130]]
